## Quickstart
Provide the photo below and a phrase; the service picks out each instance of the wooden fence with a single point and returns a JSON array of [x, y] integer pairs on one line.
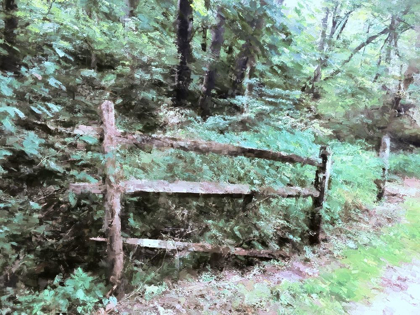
[[113, 187]]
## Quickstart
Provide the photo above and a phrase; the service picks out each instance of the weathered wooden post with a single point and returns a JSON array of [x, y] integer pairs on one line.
[[384, 156], [112, 197], [322, 177]]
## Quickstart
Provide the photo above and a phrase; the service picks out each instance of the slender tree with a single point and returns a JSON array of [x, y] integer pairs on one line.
[[246, 57], [204, 28], [10, 60], [184, 35], [332, 26], [210, 76], [321, 48]]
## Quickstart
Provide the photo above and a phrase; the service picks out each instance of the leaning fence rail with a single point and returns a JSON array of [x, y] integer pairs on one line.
[[113, 187]]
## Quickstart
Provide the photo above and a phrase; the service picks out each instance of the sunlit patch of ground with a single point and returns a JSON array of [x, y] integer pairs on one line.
[[400, 295]]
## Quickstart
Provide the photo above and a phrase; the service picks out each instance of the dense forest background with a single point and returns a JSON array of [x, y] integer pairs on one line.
[[280, 75]]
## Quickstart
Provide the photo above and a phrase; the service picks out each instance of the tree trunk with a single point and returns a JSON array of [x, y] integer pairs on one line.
[[250, 70], [246, 56], [205, 28], [321, 48], [322, 178], [384, 155], [10, 61], [413, 66], [210, 76], [128, 9], [240, 68], [184, 35]]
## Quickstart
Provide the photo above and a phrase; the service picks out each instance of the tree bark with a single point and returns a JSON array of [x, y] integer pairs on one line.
[[10, 61], [240, 68], [205, 28], [322, 177], [321, 48], [184, 35], [384, 155], [210, 76], [246, 55], [112, 198], [414, 64]]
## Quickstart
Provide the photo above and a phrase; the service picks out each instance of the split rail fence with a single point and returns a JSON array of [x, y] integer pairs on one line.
[[113, 188]]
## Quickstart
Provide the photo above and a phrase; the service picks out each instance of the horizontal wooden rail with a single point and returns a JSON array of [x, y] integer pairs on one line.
[[204, 188], [147, 142], [199, 247], [198, 146], [113, 188], [78, 188]]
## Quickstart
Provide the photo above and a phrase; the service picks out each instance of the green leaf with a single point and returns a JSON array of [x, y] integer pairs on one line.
[[4, 153], [89, 139], [236, 231], [46, 111], [5, 90], [55, 167], [59, 52], [36, 110], [35, 205], [80, 294], [72, 199], [8, 125], [83, 176], [55, 83], [12, 111], [88, 73], [55, 108], [31, 143], [109, 80], [50, 67]]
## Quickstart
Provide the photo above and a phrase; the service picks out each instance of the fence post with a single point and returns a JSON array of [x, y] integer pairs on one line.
[[322, 176], [384, 156], [112, 197]]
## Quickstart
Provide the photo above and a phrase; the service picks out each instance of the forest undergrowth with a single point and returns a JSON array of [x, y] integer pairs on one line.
[[281, 75], [278, 223]]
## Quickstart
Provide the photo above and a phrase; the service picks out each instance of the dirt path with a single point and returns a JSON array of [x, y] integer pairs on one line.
[[400, 295]]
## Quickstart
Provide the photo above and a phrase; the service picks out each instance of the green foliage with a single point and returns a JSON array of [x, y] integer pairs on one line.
[[75, 54], [78, 294], [406, 164], [363, 266], [352, 180]]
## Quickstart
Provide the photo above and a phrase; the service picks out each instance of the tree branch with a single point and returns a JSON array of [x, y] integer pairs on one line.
[[355, 51]]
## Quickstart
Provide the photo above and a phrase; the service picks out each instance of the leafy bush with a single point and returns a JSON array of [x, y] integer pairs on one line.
[[354, 171], [406, 164], [78, 294]]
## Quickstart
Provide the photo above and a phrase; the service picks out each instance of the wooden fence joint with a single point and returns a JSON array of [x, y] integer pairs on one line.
[[322, 177]]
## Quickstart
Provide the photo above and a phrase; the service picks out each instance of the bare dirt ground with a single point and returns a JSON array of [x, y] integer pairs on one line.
[[400, 295], [194, 293]]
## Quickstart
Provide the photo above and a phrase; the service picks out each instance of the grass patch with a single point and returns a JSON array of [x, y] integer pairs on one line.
[[360, 273], [405, 164]]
